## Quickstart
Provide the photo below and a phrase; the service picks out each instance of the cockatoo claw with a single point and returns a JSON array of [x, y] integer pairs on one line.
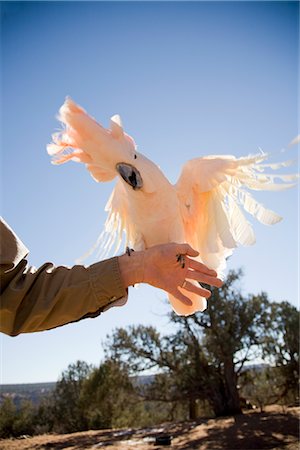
[[181, 260]]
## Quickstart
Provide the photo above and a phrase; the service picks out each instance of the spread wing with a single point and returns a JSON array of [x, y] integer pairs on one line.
[[213, 193]]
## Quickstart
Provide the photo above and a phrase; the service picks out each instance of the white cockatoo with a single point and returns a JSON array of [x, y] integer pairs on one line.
[[202, 208]]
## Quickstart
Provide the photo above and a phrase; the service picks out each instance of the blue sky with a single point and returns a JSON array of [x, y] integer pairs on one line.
[[189, 79]]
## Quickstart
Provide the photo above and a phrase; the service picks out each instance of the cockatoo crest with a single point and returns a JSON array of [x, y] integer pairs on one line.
[[203, 208]]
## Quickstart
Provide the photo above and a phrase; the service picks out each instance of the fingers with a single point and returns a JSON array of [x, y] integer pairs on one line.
[[195, 275], [182, 297], [186, 249], [196, 265], [197, 289]]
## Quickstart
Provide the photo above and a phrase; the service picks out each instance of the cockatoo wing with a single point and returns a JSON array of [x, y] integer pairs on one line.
[[119, 224], [85, 140], [213, 191], [119, 229]]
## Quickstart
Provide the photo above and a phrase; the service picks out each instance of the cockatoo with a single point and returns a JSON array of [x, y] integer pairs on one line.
[[202, 208]]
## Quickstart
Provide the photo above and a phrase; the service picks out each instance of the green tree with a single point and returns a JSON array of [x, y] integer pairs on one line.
[[108, 398], [203, 358], [229, 332], [68, 413], [25, 418], [141, 348], [18, 421], [281, 348], [45, 417], [258, 386], [8, 415]]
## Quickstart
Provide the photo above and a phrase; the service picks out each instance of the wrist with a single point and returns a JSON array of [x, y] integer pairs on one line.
[[132, 267]]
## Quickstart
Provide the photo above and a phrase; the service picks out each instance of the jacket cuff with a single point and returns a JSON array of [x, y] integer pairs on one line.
[[107, 284]]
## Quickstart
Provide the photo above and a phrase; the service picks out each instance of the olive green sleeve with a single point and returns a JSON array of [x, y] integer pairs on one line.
[[44, 298]]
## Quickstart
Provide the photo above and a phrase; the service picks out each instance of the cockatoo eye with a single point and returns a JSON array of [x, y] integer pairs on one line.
[[131, 175]]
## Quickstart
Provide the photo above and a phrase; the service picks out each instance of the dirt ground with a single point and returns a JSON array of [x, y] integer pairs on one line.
[[273, 429]]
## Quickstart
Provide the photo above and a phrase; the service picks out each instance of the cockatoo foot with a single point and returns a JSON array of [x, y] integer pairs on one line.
[[181, 260]]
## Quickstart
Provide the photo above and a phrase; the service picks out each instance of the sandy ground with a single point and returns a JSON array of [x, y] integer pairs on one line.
[[252, 430]]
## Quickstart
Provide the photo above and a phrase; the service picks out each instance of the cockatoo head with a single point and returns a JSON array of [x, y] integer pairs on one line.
[[106, 152]]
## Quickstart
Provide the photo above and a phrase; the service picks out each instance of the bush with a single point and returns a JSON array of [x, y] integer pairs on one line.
[[8, 416]]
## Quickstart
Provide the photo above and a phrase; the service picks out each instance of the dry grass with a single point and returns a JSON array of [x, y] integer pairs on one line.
[[252, 430]]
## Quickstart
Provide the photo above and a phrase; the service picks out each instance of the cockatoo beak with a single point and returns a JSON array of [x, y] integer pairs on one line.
[[130, 175]]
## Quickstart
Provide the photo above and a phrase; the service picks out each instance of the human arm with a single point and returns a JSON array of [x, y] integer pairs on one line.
[[40, 299], [44, 298]]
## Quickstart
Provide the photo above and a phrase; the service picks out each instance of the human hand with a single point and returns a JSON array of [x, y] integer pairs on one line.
[[170, 267]]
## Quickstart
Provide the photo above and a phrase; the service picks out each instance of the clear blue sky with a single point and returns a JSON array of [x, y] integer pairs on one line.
[[188, 79]]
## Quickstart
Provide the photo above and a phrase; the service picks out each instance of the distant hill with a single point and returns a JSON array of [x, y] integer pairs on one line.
[[31, 391], [36, 391], [142, 380]]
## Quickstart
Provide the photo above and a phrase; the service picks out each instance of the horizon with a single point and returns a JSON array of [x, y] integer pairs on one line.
[[251, 365]]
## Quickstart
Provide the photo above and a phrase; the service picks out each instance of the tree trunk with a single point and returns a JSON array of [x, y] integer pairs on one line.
[[192, 409], [218, 405], [232, 394], [224, 399]]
